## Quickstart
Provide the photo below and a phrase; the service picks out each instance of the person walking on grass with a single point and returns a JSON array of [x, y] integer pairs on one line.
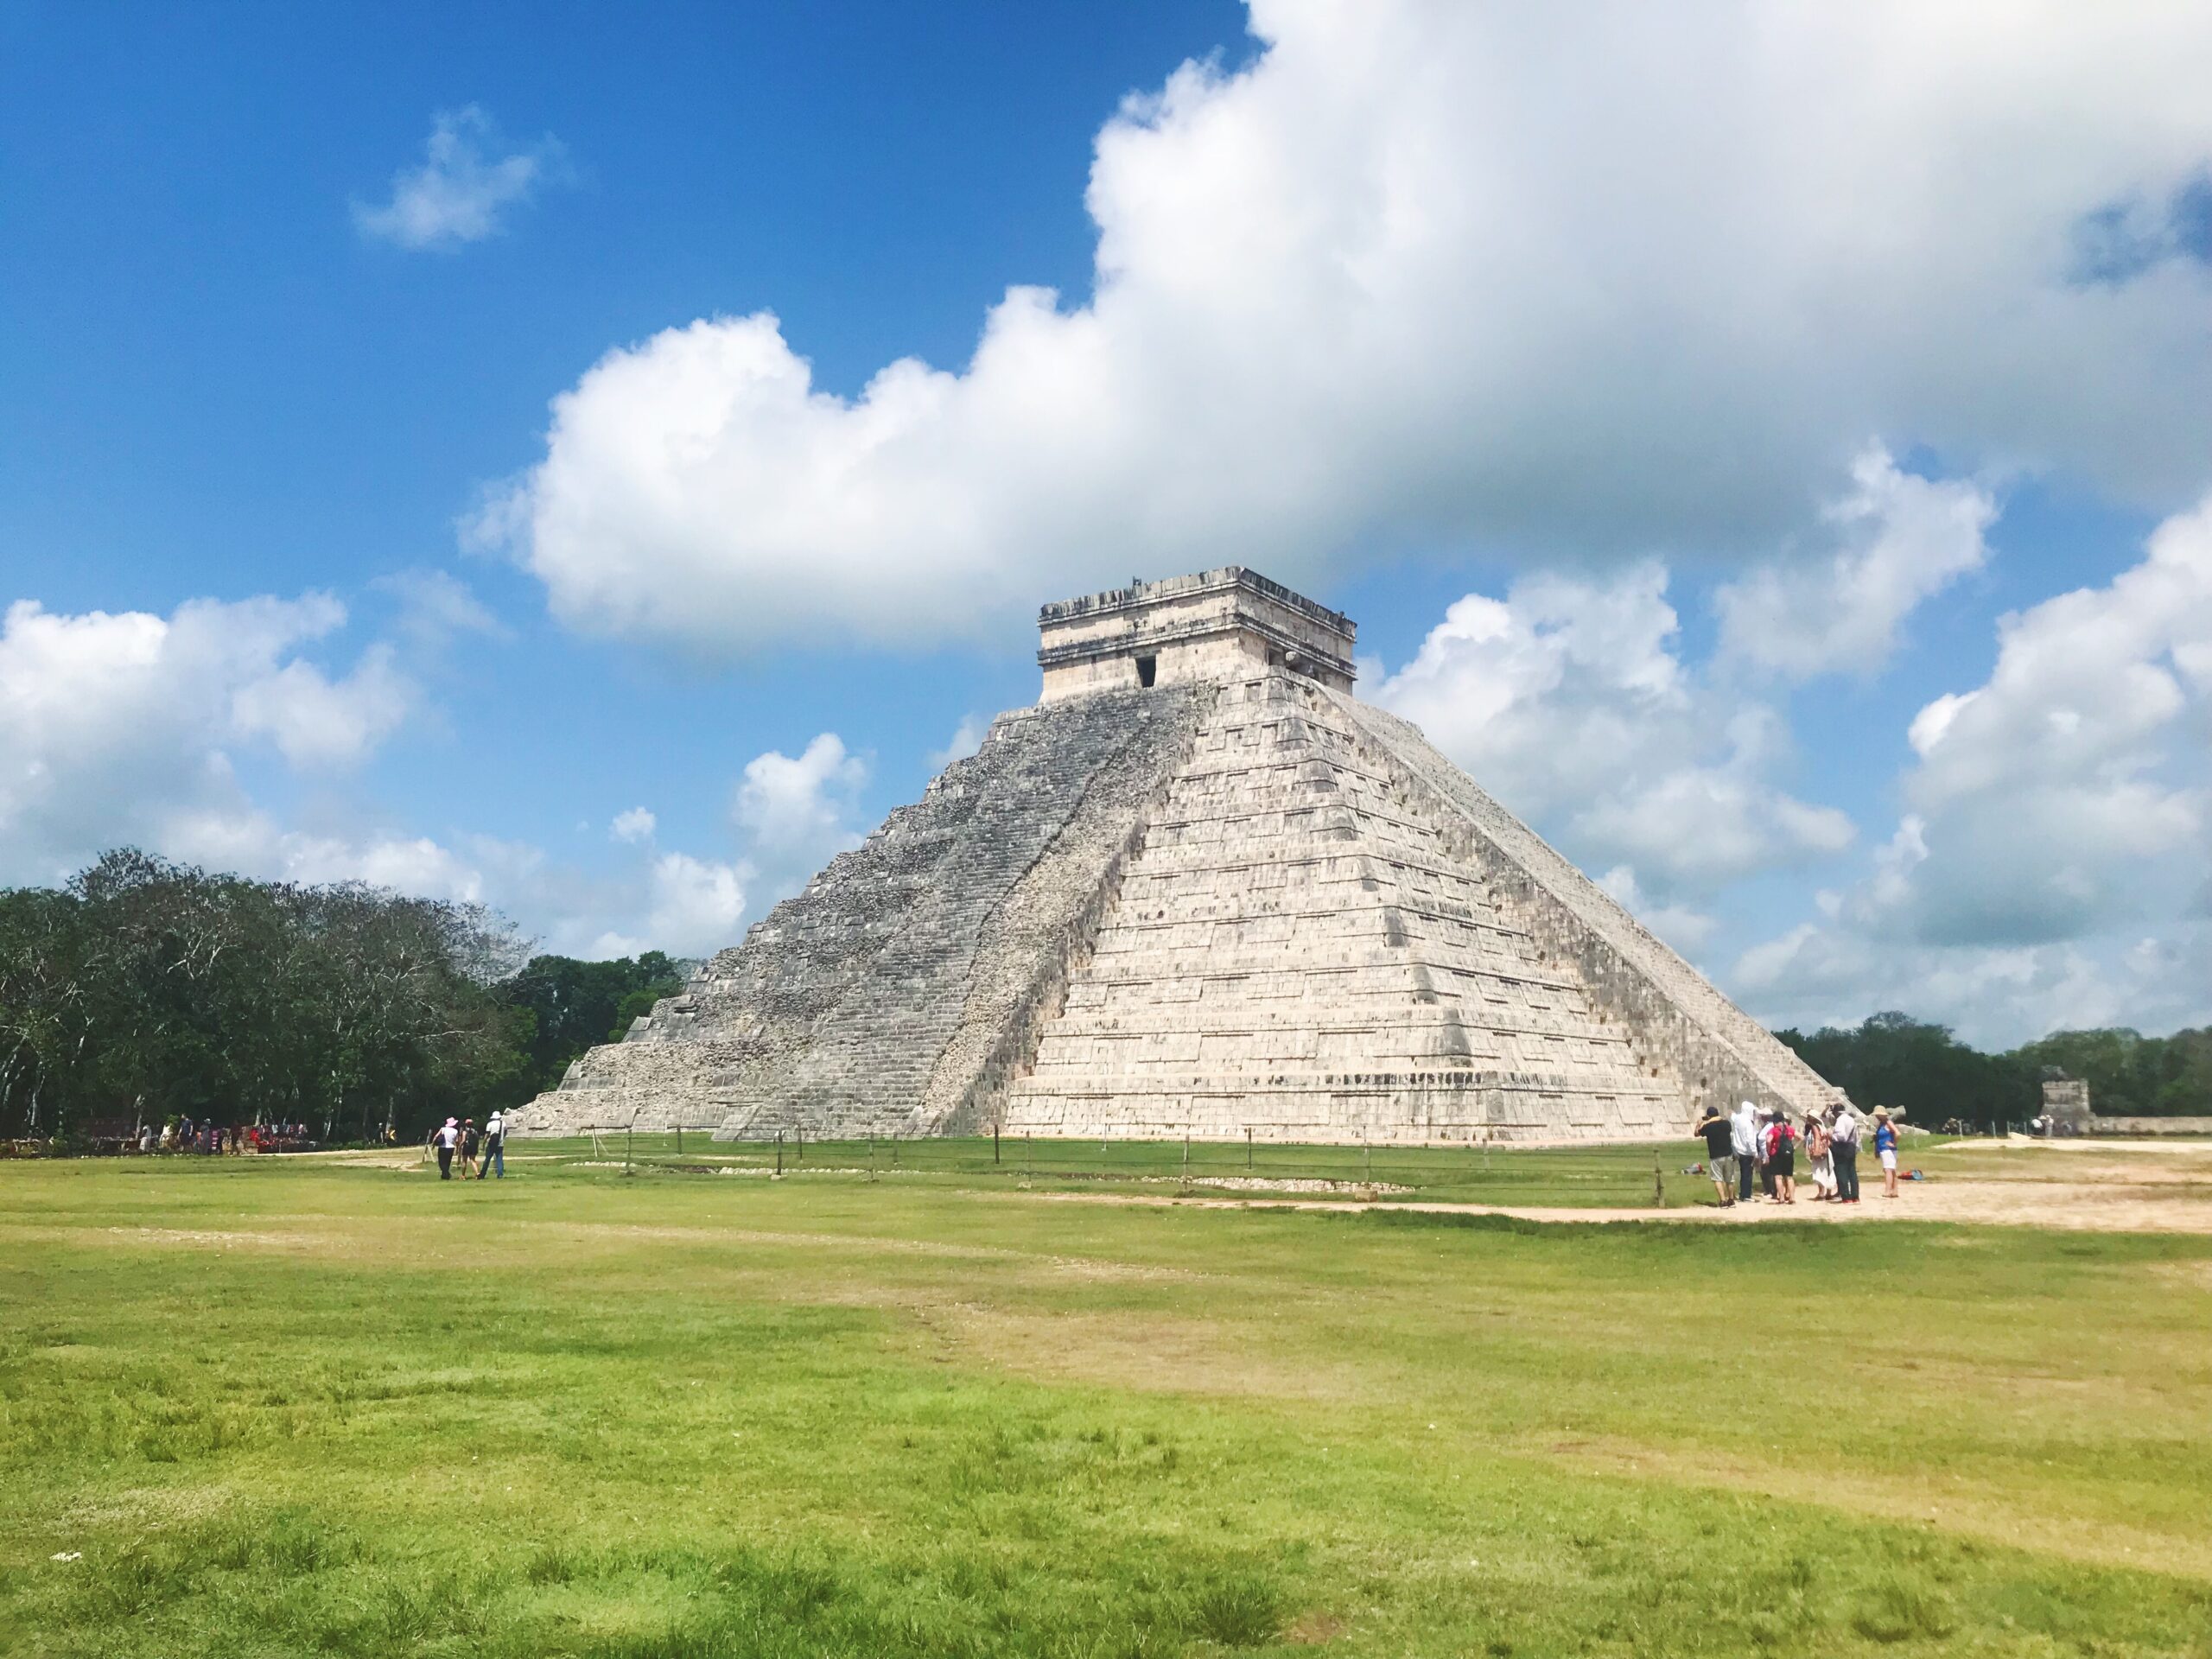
[[1843, 1148], [1744, 1136], [1885, 1149], [1820, 1157], [444, 1138], [1782, 1158], [469, 1138], [1719, 1152], [495, 1143]]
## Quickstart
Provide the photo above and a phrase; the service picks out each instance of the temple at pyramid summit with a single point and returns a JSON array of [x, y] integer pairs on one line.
[[1199, 888]]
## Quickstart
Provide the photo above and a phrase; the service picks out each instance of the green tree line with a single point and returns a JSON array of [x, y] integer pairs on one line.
[[145, 989], [1893, 1060]]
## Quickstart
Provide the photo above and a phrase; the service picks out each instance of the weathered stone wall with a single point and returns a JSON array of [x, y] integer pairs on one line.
[[1245, 904], [1075, 777], [2149, 1125], [1214, 628], [1683, 1024], [895, 989], [1295, 952]]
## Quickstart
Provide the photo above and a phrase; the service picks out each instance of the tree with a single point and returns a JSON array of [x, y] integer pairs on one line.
[[146, 989], [577, 1005], [1893, 1060]]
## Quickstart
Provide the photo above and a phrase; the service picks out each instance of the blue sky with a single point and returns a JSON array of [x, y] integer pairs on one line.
[[1729, 420]]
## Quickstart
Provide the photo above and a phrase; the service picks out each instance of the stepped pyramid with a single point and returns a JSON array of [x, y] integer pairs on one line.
[[1199, 888]]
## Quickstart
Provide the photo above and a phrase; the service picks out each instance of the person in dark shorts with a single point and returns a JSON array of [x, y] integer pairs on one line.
[[468, 1139], [1719, 1152], [1782, 1158]]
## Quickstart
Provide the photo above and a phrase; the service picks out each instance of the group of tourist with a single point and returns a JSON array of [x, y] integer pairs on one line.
[[182, 1133], [477, 1151], [1750, 1145]]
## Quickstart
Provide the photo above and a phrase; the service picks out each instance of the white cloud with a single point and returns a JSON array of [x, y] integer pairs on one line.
[[796, 813], [1685, 929], [314, 720], [129, 729], [966, 739], [436, 608], [1567, 700], [114, 726], [2059, 825], [462, 187], [1625, 278], [1903, 539], [696, 905]]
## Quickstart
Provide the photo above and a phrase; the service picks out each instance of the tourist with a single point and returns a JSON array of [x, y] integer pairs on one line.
[[1843, 1147], [1885, 1149], [1820, 1157], [1719, 1153], [1743, 1134], [445, 1138], [495, 1141], [469, 1138], [1781, 1150]]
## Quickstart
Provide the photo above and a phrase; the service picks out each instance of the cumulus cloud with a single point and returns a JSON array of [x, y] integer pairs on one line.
[[1569, 700], [315, 720], [966, 739], [115, 726], [1615, 279], [2052, 860], [796, 813], [635, 825], [1902, 540], [695, 905], [1685, 929], [463, 186]]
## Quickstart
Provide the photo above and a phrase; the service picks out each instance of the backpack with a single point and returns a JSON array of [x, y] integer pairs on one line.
[[1785, 1139]]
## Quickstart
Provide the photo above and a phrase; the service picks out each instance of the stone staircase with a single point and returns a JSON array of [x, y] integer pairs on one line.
[[1721, 1054], [1250, 905], [1297, 952], [891, 993]]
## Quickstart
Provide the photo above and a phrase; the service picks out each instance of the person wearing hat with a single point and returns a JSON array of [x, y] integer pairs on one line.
[[1885, 1149], [1719, 1152], [1820, 1158], [495, 1146], [1843, 1148], [445, 1138]]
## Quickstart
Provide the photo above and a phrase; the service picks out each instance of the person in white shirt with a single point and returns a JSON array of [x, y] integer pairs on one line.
[[495, 1146], [443, 1140], [1843, 1149], [1743, 1132]]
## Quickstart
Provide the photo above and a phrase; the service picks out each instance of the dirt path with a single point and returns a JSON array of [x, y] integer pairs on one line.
[[2135, 1187]]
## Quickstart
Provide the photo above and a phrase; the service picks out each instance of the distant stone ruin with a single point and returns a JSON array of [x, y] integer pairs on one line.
[[2066, 1106], [1199, 888]]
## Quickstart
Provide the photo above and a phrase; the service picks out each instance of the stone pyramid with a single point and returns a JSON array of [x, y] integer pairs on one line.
[[1199, 888]]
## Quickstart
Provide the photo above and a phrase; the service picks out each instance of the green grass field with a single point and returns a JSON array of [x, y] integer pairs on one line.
[[273, 1407]]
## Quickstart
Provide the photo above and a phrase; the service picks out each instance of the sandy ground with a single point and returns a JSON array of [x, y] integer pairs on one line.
[[2136, 1186]]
